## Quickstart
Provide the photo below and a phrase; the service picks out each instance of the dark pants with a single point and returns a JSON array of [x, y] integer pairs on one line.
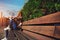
[[6, 32]]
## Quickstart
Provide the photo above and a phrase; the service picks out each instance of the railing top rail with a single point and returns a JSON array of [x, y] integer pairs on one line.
[[52, 18]]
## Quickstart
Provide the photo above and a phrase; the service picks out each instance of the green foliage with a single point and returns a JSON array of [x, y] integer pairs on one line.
[[57, 6], [32, 9]]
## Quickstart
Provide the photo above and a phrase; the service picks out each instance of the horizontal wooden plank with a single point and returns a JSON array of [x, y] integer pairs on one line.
[[11, 36], [52, 18], [53, 31], [47, 30], [39, 37], [19, 35]]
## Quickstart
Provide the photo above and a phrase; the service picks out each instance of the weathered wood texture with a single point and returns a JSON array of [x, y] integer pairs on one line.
[[52, 18], [47, 30], [57, 32]]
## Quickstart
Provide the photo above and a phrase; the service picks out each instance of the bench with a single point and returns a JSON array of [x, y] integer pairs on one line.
[[11, 36], [19, 35], [48, 26], [23, 36], [43, 28]]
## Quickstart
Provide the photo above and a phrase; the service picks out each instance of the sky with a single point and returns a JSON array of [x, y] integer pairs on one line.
[[7, 6]]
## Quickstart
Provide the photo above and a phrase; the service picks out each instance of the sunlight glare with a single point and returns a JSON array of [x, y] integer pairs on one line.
[[1, 14]]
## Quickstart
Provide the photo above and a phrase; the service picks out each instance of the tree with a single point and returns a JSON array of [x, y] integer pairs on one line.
[[37, 8]]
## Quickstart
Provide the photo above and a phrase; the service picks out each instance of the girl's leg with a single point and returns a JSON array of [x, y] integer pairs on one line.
[[6, 33]]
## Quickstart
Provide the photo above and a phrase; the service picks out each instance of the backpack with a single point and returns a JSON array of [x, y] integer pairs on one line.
[[13, 25]]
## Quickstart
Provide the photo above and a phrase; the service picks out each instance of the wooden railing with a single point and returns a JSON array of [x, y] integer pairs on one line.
[[48, 26]]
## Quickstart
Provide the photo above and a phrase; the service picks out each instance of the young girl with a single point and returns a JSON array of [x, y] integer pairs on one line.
[[6, 30]]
